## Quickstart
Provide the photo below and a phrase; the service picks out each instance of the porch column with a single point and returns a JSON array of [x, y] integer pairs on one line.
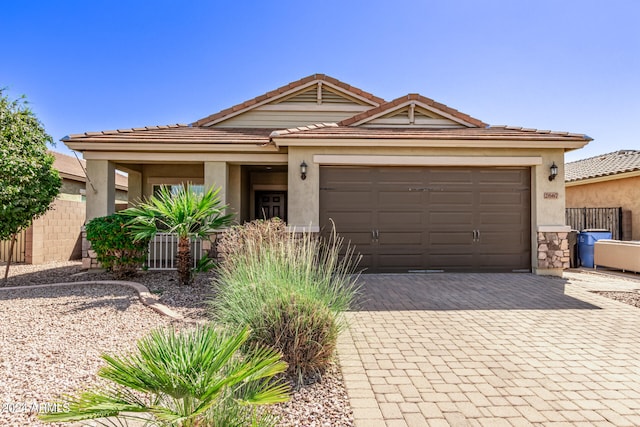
[[216, 175], [101, 188], [234, 190], [550, 245], [303, 194], [134, 192]]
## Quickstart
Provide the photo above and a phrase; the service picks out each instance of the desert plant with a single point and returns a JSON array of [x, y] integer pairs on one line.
[[193, 378], [115, 247], [185, 213], [28, 181], [290, 291], [259, 233]]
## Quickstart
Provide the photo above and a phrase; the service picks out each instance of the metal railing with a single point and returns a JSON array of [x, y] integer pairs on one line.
[[163, 252]]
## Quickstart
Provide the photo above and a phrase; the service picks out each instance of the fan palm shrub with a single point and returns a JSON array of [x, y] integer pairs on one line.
[[289, 288], [196, 377], [183, 212]]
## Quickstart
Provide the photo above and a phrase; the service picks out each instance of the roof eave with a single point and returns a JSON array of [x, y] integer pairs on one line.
[[294, 140], [168, 146], [602, 178]]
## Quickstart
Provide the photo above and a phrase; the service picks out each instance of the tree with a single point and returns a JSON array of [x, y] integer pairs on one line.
[[28, 182], [183, 212], [197, 377]]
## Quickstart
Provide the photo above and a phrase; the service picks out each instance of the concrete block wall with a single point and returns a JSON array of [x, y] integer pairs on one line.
[[56, 236]]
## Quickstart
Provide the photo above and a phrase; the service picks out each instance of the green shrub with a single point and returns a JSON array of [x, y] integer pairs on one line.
[[290, 291], [196, 377], [114, 245]]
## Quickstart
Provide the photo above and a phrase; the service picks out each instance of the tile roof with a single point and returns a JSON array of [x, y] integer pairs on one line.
[[603, 165], [72, 168], [334, 131], [287, 88], [176, 134], [412, 97]]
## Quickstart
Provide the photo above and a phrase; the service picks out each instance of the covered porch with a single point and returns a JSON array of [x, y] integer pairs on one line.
[[251, 190]]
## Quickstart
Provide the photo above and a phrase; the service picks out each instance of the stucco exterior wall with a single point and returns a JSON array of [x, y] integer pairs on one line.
[[154, 174], [304, 195], [72, 188], [623, 193]]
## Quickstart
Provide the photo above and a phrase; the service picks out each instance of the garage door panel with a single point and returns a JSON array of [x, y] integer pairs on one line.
[[501, 199], [399, 198], [352, 175], [396, 176], [459, 219], [453, 262], [502, 219], [502, 261], [450, 238], [348, 198], [500, 176], [348, 219], [360, 238], [405, 219], [441, 199], [394, 238], [505, 238], [400, 262], [445, 176]]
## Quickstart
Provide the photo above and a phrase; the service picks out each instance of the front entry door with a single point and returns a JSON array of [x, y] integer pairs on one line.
[[271, 204]]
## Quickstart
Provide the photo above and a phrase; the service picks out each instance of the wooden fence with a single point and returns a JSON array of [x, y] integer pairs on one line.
[[19, 248], [604, 218]]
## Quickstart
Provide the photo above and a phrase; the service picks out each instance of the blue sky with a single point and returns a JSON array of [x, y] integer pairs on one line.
[[547, 64]]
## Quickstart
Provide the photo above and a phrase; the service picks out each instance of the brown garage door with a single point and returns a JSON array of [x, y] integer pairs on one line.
[[431, 218]]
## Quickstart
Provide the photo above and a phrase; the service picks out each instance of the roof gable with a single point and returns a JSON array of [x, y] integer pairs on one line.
[[316, 98], [615, 163], [413, 110]]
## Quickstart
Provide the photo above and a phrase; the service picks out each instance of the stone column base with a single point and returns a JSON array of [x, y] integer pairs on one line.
[[553, 250]]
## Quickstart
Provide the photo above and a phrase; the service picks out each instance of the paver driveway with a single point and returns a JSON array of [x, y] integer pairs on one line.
[[492, 350]]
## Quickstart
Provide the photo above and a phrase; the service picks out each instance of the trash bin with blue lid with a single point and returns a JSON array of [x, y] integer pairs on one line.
[[586, 241]]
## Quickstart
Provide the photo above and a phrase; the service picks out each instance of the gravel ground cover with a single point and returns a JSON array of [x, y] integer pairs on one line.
[[52, 338], [631, 298]]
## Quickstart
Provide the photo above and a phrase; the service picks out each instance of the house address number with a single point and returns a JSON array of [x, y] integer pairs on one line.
[[550, 195]]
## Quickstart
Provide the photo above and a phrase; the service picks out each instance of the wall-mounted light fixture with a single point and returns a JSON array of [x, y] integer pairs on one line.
[[303, 170], [554, 171]]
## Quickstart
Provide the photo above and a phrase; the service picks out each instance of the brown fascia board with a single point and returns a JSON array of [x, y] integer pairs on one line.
[[286, 88], [412, 97]]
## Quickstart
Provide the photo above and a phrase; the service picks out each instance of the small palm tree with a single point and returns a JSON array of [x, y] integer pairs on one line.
[[193, 378], [183, 212]]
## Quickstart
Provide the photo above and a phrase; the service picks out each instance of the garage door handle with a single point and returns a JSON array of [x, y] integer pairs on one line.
[[473, 235], [373, 235], [377, 235], [477, 235]]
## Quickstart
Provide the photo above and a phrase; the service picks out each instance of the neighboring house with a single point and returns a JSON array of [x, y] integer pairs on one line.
[[414, 184], [56, 236], [608, 181], [74, 180]]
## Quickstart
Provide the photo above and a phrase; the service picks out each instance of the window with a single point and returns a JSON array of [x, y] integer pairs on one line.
[[197, 188]]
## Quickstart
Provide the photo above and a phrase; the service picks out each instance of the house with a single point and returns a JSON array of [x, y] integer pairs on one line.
[[608, 180], [55, 236], [414, 184], [74, 180]]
